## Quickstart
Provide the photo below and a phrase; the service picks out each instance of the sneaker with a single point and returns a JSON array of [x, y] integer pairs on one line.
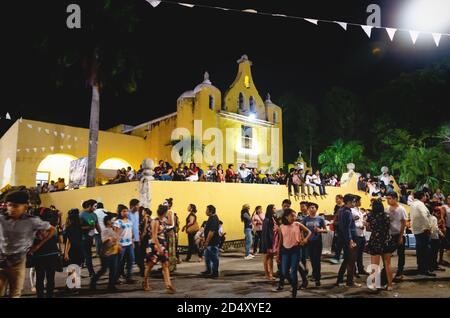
[[248, 257], [278, 289], [339, 284]]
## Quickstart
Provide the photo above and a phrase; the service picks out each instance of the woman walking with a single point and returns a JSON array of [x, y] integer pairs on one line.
[[124, 228], [268, 247], [291, 238], [171, 234], [191, 229], [157, 250], [380, 242]]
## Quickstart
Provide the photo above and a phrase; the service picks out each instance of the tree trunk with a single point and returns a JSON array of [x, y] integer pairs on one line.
[[93, 136]]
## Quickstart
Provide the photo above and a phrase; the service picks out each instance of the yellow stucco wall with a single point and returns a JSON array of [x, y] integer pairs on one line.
[[8, 155], [39, 138], [228, 199]]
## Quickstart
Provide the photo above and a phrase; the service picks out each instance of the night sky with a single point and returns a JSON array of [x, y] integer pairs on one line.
[[176, 45]]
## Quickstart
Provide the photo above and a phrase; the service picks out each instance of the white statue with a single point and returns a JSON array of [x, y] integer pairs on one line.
[[347, 176], [385, 176], [144, 182]]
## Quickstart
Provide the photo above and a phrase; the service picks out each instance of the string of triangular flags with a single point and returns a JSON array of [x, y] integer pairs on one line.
[[7, 116], [414, 34]]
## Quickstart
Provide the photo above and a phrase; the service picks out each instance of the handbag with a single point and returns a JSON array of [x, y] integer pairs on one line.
[[193, 228]]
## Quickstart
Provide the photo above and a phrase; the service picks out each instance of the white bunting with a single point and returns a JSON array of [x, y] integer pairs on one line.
[[313, 21], [61, 147], [437, 38], [186, 5], [29, 125], [68, 136], [52, 148], [391, 33], [342, 24], [8, 116], [154, 3], [367, 29], [47, 131], [55, 133], [39, 129], [20, 120], [62, 135], [27, 150], [43, 149], [90, 142], [250, 11], [279, 15], [69, 146], [414, 35], [75, 138], [18, 150], [35, 149]]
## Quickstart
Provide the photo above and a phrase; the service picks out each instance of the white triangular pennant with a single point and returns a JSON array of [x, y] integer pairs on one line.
[[35, 149], [391, 33], [414, 35], [75, 138], [29, 125], [68, 136], [52, 148], [27, 150], [313, 21], [8, 116], [250, 11], [18, 150], [69, 146], [20, 120], [90, 142], [55, 133], [61, 147], [342, 24], [437, 38], [47, 131], [62, 135], [154, 3], [39, 129], [186, 5], [367, 29], [43, 149]]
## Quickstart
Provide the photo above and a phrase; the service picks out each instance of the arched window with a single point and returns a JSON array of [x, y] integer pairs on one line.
[[241, 101], [252, 104], [211, 102]]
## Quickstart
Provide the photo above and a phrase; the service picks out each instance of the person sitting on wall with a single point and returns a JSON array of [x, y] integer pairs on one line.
[[159, 170], [193, 172], [179, 173], [280, 176], [230, 175], [244, 174], [201, 174], [309, 182], [220, 176], [210, 175]]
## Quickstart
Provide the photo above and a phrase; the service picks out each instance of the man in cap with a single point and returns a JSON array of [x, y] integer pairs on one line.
[[17, 233]]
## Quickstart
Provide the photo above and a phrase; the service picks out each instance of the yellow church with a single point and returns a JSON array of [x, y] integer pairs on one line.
[[236, 127]]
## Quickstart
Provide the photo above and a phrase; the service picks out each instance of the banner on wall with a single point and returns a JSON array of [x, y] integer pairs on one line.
[[78, 173]]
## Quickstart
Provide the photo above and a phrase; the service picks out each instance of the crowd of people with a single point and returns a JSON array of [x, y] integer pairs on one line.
[[59, 185], [134, 236]]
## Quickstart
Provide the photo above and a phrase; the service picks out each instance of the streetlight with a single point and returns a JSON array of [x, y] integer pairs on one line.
[[426, 15]]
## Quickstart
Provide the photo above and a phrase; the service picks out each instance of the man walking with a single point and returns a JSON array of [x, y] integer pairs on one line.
[[211, 244], [89, 223], [397, 216], [134, 218]]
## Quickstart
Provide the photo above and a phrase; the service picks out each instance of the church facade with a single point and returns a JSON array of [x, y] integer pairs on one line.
[[208, 127]]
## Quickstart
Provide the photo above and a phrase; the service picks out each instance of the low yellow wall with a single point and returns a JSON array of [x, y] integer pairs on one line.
[[228, 199]]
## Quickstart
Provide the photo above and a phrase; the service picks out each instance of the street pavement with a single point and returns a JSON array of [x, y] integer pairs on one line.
[[241, 278]]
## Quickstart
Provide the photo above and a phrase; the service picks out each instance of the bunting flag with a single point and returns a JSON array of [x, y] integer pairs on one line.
[[35, 149], [391, 33], [414, 34], [62, 135], [27, 150], [367, 29], [52, 148], [69, 146], [47, 131], [43, 149], [8, 116], [39, 129], [61, 147], [55, 133], [30, 126], [75, 138], [20, 120]]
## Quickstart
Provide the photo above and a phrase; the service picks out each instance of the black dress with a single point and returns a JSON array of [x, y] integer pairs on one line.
[[267, 236], [380, 239], [73, 234]]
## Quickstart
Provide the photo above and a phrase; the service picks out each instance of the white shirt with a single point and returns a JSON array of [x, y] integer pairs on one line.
[[410, 199], [316, 179], [419, 215], [396, 216], [243, 173], [358, 216], [309, 179], [333, 181], [126, 232], [386, 179], [434, 228], [100, 216]]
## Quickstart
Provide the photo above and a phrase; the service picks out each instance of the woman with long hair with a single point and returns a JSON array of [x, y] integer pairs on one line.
[[73, 253], [157, 250], [268, 241], [380, 242], [247, 220], [257, 221], [220, 176], [171, 234], [124, 227], [191, 229]]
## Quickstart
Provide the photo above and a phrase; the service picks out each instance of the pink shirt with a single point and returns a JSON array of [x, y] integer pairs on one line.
[[257, 221], [292, 235]]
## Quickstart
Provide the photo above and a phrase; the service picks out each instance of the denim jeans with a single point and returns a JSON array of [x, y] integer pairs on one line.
[[423, 252], [98, 244], [212, 259], [400, 254], [86, 245], [315, 256], [126, 256], [257, 242], [165, 177], [248, 241], [108, 263], [290, 259]]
